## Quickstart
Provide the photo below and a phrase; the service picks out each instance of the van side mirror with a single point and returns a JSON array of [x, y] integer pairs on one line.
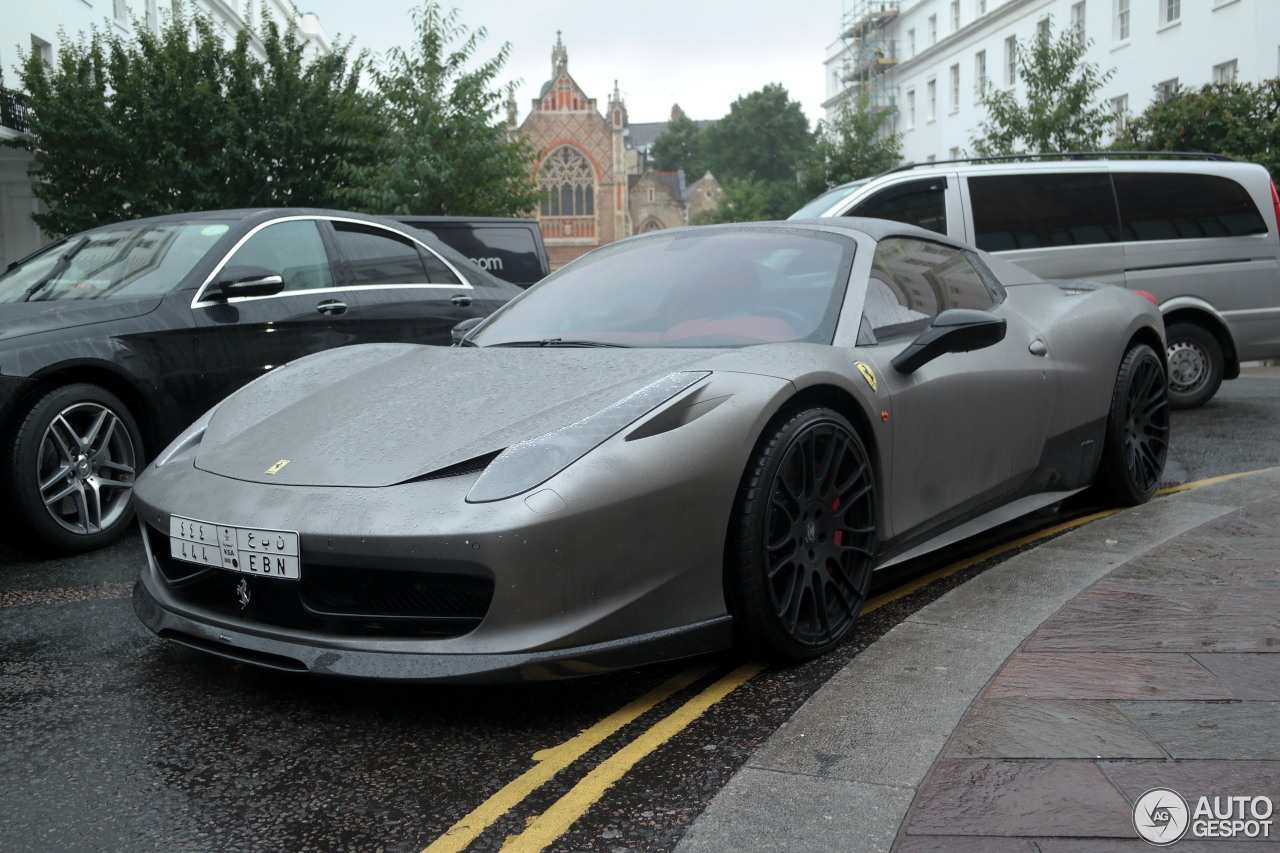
[[956, 330]]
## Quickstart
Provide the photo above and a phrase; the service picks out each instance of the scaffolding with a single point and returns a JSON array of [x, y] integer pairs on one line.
[[870, 51]]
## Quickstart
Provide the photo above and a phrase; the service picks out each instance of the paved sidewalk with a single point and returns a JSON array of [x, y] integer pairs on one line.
[[1028, 709]]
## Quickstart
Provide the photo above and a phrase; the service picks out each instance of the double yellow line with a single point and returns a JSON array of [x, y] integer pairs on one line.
[[543, 830]]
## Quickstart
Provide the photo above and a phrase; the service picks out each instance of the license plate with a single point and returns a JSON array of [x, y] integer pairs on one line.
[[250, 550]]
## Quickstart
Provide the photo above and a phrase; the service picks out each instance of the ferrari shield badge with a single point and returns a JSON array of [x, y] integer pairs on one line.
[[283, 462], [863, 368]]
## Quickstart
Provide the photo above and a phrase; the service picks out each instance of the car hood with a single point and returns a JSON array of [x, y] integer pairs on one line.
[[18, 319], [381, 414]]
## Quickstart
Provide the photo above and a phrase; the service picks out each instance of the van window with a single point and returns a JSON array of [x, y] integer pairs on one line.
[[1038, 211], [1171, 206], [922, 203], [913, 281]]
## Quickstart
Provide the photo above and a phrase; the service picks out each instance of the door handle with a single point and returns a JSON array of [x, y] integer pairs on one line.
[[462, 300], [332, 307]]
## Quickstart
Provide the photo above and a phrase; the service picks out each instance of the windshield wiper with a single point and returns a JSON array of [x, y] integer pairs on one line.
[[558, 342], [58, 269]]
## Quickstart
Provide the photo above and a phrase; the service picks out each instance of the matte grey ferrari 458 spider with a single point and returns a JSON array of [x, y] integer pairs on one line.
[[680, 440]]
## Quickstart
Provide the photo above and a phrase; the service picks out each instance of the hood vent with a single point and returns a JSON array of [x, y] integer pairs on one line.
[[474, 465]]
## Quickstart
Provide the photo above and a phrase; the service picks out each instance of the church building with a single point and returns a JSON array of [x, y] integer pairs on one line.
[[599, 184]]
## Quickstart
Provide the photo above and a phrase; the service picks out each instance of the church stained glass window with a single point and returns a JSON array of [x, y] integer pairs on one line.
[[569, 182]]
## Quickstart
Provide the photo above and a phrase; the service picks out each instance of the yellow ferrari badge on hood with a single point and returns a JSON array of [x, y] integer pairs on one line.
[[283, 462], [867, 374]]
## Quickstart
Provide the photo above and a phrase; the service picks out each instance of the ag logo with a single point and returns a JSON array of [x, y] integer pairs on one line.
[[867, 374], [276, 467], [1160, 816]]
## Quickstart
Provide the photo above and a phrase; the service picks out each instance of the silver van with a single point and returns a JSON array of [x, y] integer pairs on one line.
[[1199, 232]]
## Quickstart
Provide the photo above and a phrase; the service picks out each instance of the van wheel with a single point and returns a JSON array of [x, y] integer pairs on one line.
[[1196, 365]]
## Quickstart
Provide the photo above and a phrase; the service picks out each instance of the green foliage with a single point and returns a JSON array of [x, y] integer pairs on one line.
[[177, 121], [750, 199], [854, 145], [680, 146], [450, 152], [1241, 120], [1061, 112], [759, 152]]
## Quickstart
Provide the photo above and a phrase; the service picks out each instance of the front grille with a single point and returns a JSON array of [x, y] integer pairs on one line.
[[346, 600]]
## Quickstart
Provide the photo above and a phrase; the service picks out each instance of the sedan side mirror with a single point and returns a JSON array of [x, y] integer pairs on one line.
[[460, 331], [956, 330], [248, 281]]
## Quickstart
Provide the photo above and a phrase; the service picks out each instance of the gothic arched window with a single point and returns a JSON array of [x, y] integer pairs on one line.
[[569, 182]]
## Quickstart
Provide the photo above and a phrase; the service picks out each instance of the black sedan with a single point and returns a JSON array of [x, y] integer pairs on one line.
[[114, 339]]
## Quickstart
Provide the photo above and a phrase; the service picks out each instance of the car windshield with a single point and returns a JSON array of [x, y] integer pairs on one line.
[[126, 260], [820, 204], [711, 287]]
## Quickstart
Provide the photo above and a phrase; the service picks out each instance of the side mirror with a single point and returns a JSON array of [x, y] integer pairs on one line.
[[248, 281], [460, 331], [957, 330]]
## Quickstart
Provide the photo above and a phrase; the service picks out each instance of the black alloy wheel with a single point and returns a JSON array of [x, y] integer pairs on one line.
[[803, 536], [72, 467], [1137, 440]]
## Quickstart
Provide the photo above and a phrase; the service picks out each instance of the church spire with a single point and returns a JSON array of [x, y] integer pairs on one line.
[[559, 57]]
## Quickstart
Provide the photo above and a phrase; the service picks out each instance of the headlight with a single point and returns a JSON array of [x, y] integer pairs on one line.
[[522, 466], [188, 439]]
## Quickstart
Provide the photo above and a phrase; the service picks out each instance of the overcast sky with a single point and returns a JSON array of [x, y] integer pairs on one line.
[[701, 54]]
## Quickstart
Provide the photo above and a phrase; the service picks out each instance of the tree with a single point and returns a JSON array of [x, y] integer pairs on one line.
[[1061, 113], [177, 121], [680, 146], [451, 153], [853, 145], [765, 138], [1241, 120]]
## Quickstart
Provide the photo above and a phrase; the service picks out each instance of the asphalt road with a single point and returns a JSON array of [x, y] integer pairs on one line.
[[114, 740]]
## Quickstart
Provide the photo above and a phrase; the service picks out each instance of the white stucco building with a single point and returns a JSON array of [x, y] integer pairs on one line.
[[928, 59], [41, 25]]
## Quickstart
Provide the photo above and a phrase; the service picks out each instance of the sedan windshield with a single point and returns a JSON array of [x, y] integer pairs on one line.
[[712, 287], [126, 260]]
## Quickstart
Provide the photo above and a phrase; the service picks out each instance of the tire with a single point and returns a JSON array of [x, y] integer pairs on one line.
[[74, 458], [802, 536], [1137, 438], [1196, 365]]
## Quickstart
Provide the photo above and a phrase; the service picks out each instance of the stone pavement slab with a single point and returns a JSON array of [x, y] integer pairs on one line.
[[1184, 621]]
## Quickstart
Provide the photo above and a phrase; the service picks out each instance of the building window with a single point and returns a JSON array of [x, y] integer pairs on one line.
[[955, 87], [933, 29], [911, 43], [932, 158], [121, 9], [980, 73], [153, 17], [1167, 88], [1170, 12], [911, 108], [1077, 19], [954, 153], [1042, 29], [932, 89], [42, 49], [1122, 20], [1011, 60], [955, 15], [1225, 73], [569, 182], [1120, 109]]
